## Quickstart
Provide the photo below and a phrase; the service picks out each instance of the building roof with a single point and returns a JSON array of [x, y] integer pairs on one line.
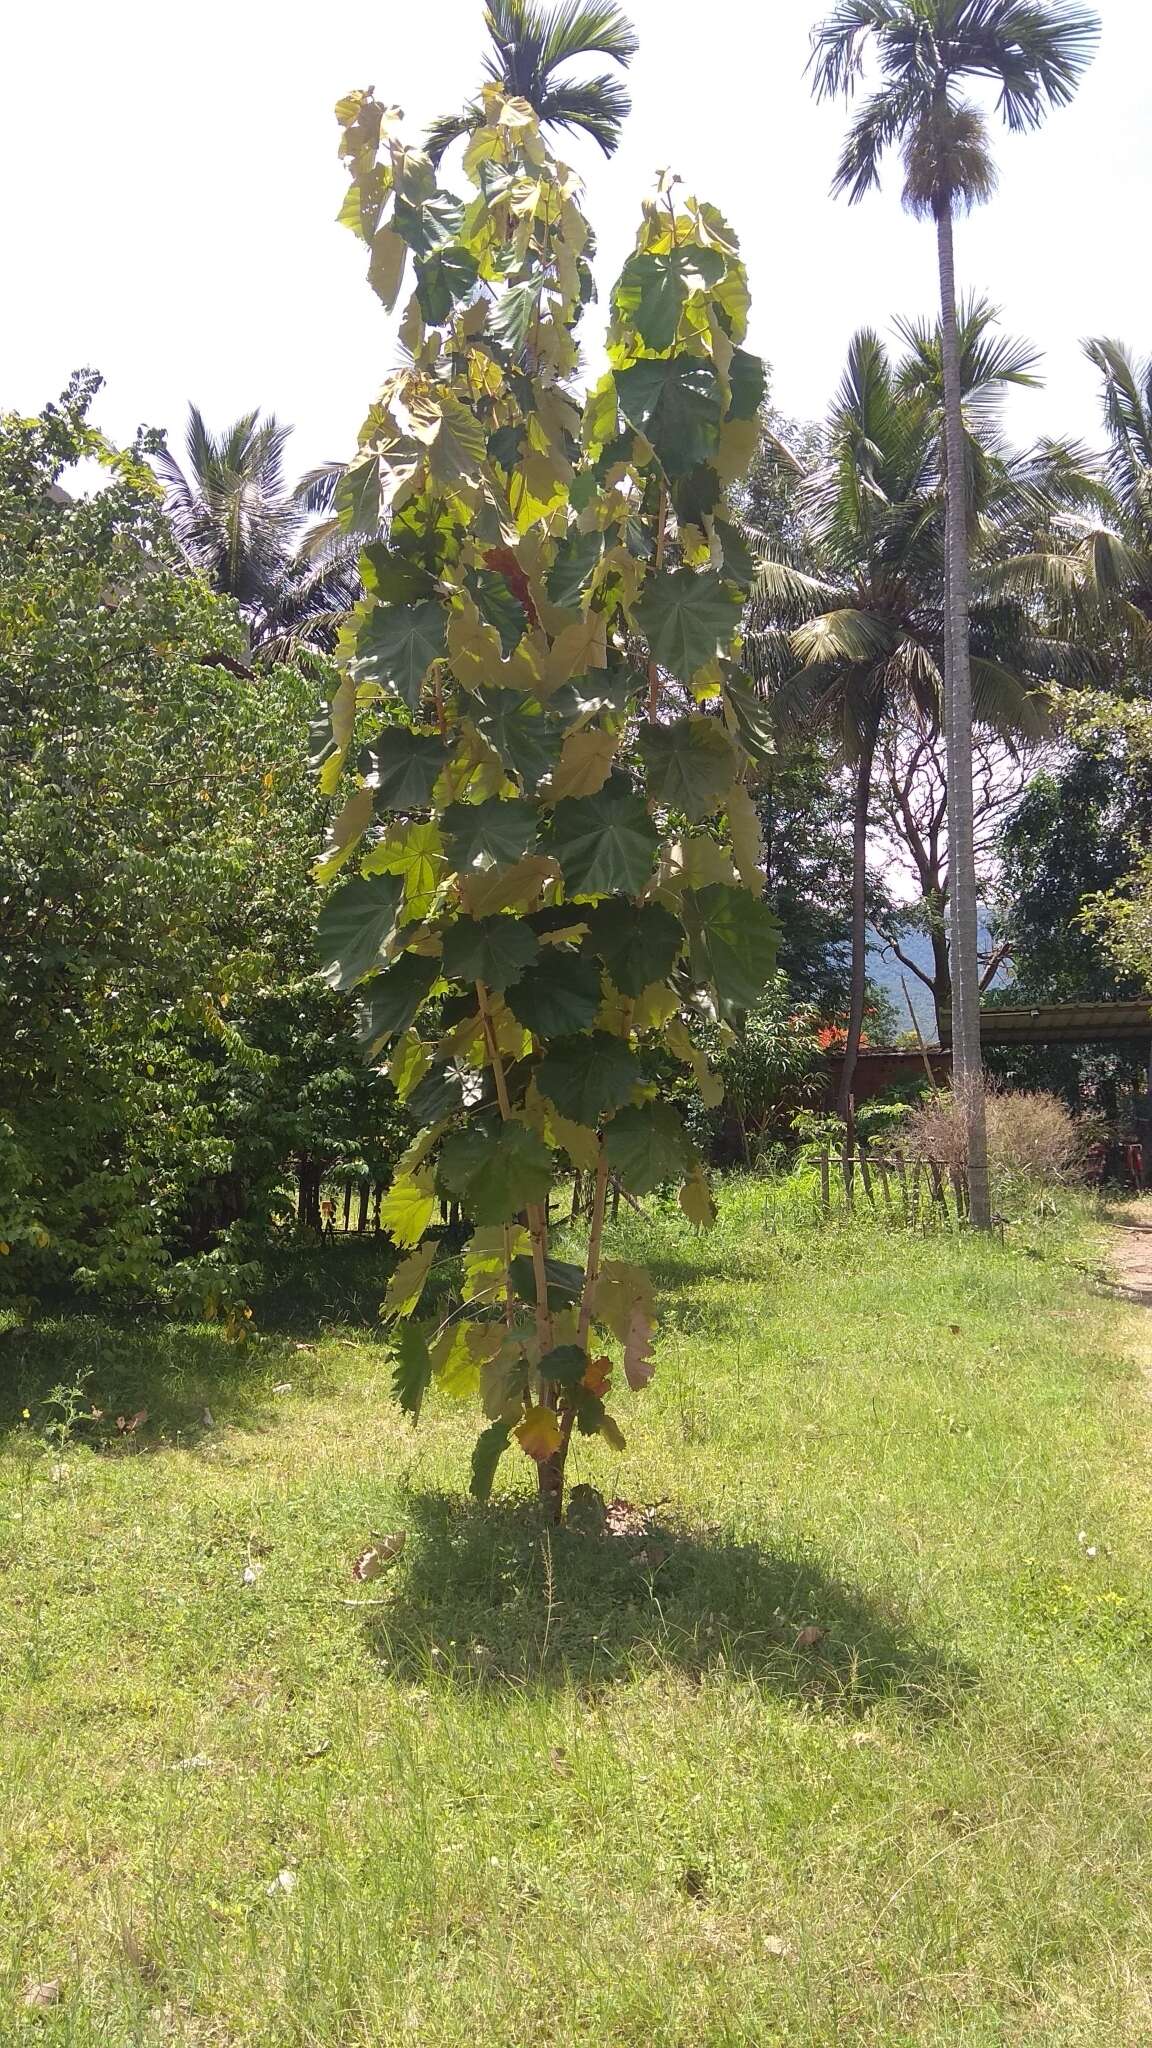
[[1053, 1023]]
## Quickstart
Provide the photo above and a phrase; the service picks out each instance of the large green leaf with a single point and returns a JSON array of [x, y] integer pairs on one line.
[[753, 717], [647, 1145], [527, 742], [638, 943], [690, 763], [512, 316], [413, 1369], [605, 844], [500, 828], [391, 999], [357, 498], [495, 1170], [398, 644], [494, 950], [429, 223], [404, 767], [490, 1447], [733, 941], [498, 606], [686, 618], [393, 578], [749, 383], [654, 286], [588, 1076], [560, 995], [563, 1283], [443, 277], [576, 557], [438, 1096], [565, 1366], [675, 403], [353, 926], [650, 295]]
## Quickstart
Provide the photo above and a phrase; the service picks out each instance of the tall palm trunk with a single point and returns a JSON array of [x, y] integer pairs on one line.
[[860, 812], [968, 1067]]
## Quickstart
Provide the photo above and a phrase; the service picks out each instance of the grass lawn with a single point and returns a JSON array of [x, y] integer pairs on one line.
[[571, 1786]]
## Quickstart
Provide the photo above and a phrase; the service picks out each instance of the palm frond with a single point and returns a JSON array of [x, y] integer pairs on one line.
[[1002, 704], [844, 635], [598, 107], [1035, 51]]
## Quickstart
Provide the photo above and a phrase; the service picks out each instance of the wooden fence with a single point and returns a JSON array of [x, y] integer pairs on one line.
[[915, 1192]]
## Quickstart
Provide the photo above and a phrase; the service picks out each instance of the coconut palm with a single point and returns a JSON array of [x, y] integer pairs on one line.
[[858, 646], [530, 47], [1033, 52], [237, 520]]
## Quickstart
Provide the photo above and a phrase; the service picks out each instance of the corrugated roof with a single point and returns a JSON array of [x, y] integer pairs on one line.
[[1050, 1023]]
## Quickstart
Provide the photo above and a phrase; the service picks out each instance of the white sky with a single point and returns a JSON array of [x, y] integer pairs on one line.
[[170, 182]]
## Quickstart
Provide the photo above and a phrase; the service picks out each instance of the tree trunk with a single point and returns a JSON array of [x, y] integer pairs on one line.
[[860, 812], [308, 1194], [941, 963], [967, 1063]]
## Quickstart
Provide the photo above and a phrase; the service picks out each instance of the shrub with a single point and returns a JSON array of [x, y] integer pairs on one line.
[[1033, 1134]]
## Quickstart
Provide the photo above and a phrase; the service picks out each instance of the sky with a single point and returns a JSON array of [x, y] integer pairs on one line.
[[170, 184]]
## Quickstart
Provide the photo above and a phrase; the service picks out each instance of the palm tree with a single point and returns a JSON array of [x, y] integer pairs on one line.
[[531, 44], [237, 521], [856, 650], [1033, 52], [1093, 566]]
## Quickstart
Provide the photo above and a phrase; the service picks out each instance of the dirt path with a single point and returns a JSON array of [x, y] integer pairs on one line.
[[1132, 1254]]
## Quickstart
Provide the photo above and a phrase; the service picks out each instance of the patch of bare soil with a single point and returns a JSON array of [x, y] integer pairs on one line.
[[1131, 1257]]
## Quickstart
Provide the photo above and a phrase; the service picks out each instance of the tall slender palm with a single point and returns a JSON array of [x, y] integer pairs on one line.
[[1093, 566], [237, 520], [851, 649], [1033, 52], [531, 45]]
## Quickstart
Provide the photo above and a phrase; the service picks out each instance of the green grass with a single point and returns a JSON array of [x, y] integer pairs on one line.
[[565, 1786]]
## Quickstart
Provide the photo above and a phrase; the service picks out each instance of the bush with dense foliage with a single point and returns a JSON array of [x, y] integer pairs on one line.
[[167, 1060]]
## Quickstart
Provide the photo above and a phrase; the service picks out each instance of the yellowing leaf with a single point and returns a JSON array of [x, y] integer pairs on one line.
[[579, 647], [696, 1200], [386, 269], [408, 1065], [621, 1291], [407, 1282], [747, 845], [406, 1212], [585, 763], [539, 1434], [474, 648], [506, 888], [348, 828], [639, 1364]]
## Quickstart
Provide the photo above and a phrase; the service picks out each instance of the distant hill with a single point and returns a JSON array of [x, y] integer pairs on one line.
[[885, 971]]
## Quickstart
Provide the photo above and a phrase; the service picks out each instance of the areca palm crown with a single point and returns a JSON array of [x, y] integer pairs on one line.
[[1093, 566], [1032, 53], [236, 518], [847, 635], [531, 46]]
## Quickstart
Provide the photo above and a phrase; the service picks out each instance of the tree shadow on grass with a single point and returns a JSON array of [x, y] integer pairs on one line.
[[185, 1378], [492, 1596]]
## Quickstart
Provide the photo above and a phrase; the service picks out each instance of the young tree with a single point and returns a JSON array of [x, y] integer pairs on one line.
[[1033, 52], [557, 847]]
